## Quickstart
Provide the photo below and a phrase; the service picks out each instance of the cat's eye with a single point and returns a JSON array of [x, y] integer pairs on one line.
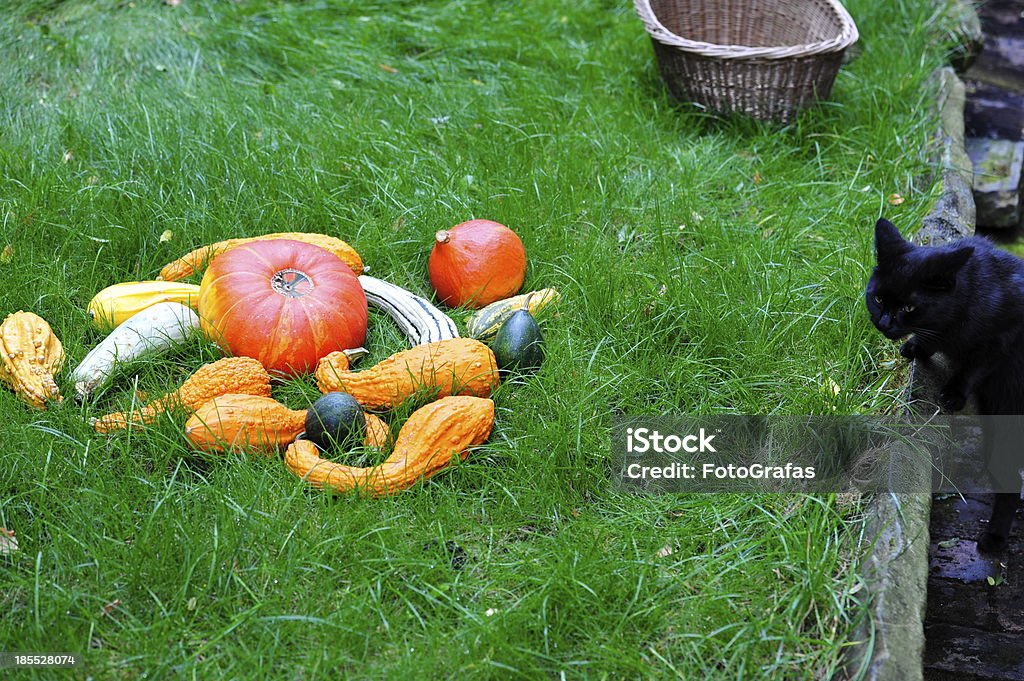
[[878, 300], [907, 308]]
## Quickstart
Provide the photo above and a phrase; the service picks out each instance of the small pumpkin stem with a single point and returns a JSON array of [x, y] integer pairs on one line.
[[443, 236], [355, 354]]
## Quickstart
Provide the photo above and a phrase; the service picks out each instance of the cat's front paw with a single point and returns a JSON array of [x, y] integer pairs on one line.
[[989, 542], [952, 399]]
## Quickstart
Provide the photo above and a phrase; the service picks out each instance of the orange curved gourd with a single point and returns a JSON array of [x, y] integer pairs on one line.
[[454, 366], [259, 423], [229, 375], [243, 421], [428, 442]]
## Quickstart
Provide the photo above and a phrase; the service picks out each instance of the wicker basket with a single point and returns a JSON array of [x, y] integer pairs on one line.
[[766, 58]]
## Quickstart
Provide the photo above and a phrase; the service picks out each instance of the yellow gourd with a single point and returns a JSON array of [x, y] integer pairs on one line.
[[485, 322], [31, 355], [196, 260], [118, 303]]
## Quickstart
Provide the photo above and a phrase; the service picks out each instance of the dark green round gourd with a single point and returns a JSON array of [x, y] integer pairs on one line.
[[519, 345], [336, 420]]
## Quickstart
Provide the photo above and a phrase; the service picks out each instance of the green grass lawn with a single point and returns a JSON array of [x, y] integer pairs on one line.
[[707, 265]]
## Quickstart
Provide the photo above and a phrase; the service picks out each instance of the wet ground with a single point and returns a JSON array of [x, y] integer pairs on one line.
[[975, 620]]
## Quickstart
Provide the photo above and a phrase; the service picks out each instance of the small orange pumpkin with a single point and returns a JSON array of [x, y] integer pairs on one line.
[[284, 302], [476, 263]]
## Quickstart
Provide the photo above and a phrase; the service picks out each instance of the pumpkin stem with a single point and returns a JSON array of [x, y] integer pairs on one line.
[[355, 354], [443, 236]]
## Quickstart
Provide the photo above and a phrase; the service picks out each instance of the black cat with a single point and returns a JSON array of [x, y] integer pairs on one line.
[[965, 301]]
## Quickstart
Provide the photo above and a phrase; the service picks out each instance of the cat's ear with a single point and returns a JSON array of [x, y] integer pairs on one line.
[[950, 261], [888, 242], [941, 268]]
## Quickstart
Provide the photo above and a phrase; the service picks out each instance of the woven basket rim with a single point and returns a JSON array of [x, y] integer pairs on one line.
[[848, 35]]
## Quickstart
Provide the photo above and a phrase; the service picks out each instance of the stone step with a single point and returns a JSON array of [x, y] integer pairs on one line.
[[994, 112], [1001, 61], [970, 654], [979, 605], [997, 180], [1001, 16]]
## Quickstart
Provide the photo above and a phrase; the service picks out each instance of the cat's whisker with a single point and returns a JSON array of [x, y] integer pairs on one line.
[[926, 334]]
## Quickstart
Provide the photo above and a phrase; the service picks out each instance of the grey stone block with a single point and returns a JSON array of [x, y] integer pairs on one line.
[[1000, 62], [997, 180], [953, 216], [993, 112]]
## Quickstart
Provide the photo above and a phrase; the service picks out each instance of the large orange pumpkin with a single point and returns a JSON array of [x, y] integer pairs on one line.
[[286, 303], [476, 263]]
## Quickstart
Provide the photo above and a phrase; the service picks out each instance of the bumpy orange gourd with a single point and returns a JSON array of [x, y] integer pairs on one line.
[[244, 421], [200, 258], [456, 366], [429, 441], [32, 354], [260, 423], [476, 263], [378, 433], [225, 376]]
